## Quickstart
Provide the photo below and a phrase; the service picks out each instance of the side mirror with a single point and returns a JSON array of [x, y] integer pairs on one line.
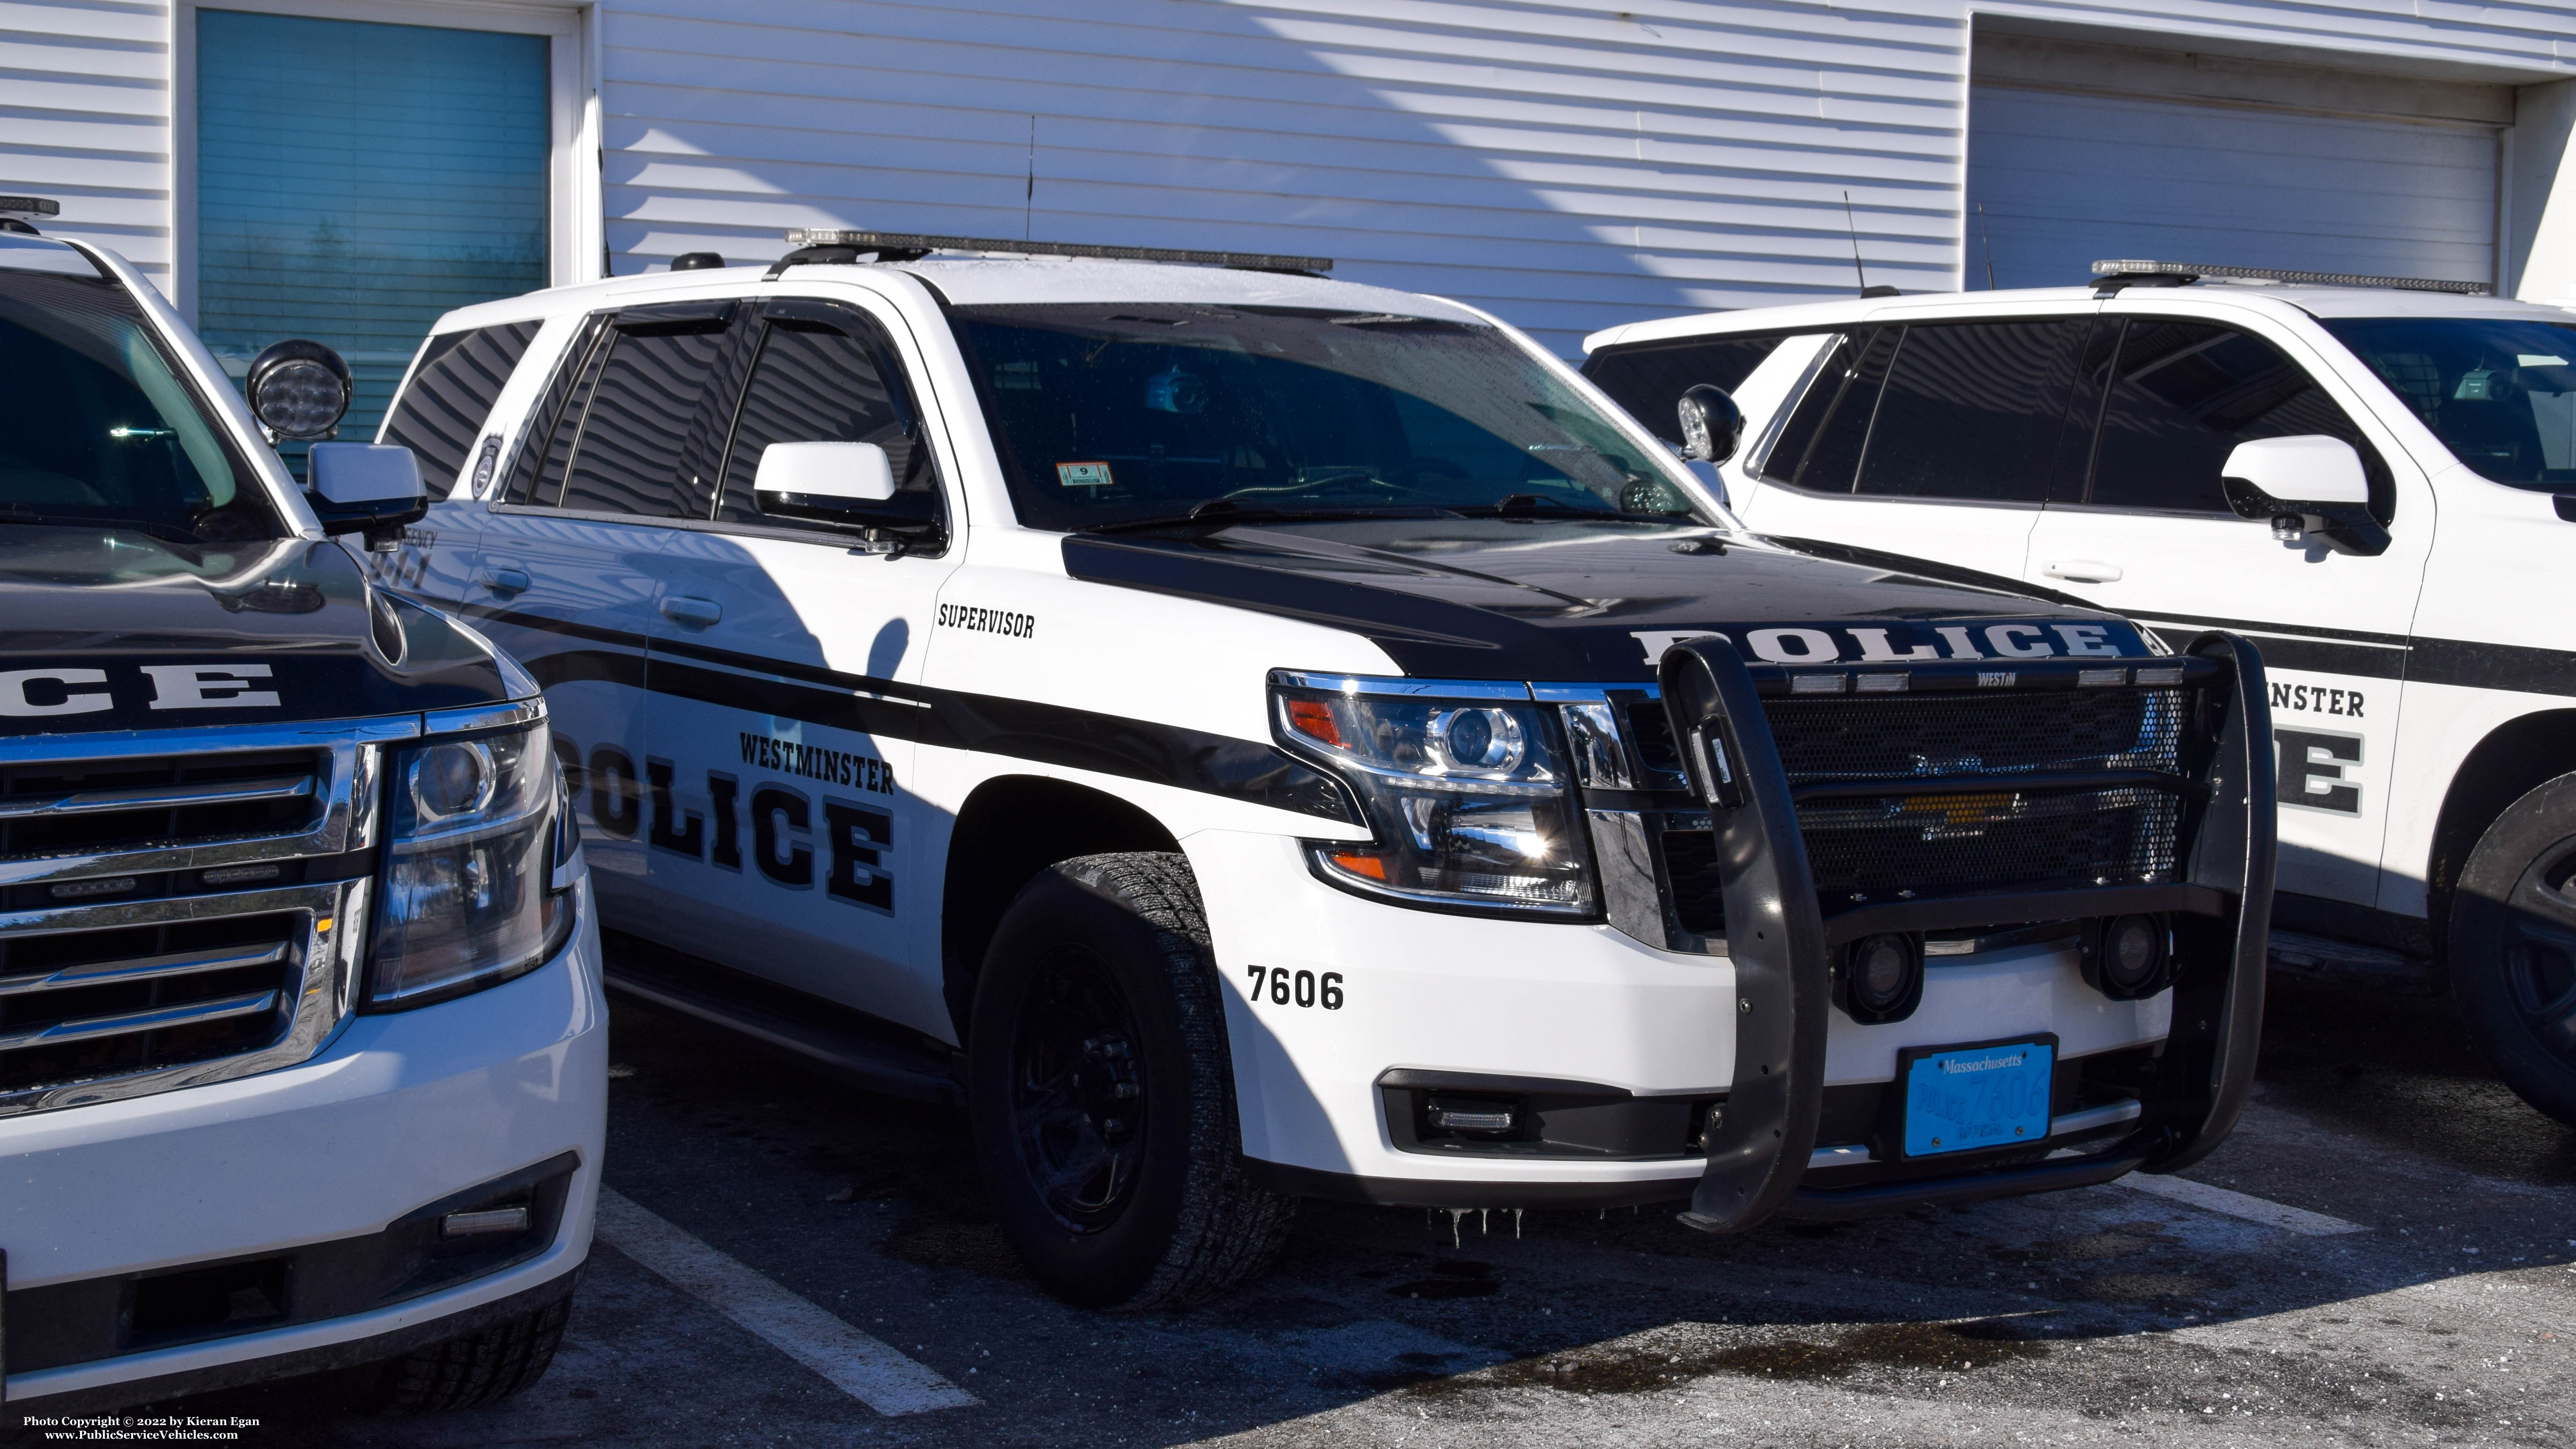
[[368, 488], [2306, 484], [834, 482], [298, 389], [1712, 425]]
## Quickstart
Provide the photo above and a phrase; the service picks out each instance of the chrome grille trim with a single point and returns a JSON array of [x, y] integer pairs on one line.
[[150, 797], [348, 797], [145, 968], [160, 1018]]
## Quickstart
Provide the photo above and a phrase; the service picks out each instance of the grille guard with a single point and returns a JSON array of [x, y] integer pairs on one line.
[[1781, 942]]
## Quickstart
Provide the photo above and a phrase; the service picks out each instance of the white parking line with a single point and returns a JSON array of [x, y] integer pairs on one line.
[[2239, 1205], [862, 1367]]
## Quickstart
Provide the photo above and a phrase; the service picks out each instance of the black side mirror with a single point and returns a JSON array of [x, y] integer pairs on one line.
[[1712, 425], [298, 389]]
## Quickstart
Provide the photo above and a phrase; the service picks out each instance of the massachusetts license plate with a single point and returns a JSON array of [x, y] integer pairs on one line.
[[1958, 1099]]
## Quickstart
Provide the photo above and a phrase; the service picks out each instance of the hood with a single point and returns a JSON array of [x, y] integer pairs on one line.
[[1576, 601], [109, 629]]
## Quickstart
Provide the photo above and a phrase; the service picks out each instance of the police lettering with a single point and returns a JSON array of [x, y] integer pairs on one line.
[[814, 762], [2317, 699], [988, 621]]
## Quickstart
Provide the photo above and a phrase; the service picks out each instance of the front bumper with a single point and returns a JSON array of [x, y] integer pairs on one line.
[[1594, 1022], [320, 1164]]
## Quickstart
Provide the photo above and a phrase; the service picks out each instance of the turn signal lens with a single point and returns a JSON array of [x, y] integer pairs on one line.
[[1365, 865], [1313, 718]]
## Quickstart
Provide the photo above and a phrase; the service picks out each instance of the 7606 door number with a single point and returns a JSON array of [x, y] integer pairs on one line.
[[1300, 988]]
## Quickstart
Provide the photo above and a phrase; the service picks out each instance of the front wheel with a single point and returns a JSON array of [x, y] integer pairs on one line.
[[1103, 1094], [2512, 948]]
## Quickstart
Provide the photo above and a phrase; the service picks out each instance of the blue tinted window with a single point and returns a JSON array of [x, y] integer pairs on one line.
[[356, 180]]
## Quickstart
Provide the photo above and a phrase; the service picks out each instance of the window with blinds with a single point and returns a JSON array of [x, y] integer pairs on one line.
[[355, 180]]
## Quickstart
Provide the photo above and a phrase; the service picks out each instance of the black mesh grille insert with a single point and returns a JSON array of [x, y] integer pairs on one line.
[[1989, 840], [1690, 860], [1847, 737]]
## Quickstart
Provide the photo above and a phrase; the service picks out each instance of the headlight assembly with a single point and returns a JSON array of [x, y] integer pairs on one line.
[[478, 862], [1465, 786]]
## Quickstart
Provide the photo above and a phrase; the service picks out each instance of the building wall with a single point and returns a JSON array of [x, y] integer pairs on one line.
[[1568, 165]]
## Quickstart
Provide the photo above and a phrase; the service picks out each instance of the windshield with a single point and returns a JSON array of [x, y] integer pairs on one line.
[[2499, 392], [96, 426], [1108, 414]]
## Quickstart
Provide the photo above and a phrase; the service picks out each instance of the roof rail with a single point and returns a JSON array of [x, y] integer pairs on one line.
[[2112, 276], [822, 245]]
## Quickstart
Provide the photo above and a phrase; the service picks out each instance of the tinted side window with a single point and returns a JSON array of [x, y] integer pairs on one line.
[[1820, 448], [451, 395], [539, 452], [827, 382], [1971, 411], [2182, 395], [1650, 378], [626, 457]]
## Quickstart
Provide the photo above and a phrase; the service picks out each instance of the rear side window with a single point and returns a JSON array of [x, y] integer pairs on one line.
[[451, 396], [827, 381], [1820, 447], [1649, 379], [625, 453], [1971, 411], [2178, 396]]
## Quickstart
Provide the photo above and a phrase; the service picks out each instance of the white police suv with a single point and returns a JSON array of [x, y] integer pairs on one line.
[[303, 1058], [2371, 478], [1262, 737]]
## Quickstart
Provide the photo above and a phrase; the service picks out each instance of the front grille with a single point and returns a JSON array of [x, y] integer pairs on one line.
[[1698, 898], [53, 807], [1876, 848], [176, 908], [1845, 737], [76, 1005]]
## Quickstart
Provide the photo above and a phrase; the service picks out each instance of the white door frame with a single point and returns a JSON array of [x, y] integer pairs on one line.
[[574, 225]]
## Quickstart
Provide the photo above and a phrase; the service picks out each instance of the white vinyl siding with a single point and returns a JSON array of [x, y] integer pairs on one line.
[[1568, 165], [85, 120]]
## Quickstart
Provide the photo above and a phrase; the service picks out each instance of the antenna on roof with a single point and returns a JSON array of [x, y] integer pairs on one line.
[[1853, 229], [1988, 238], [1029, 200]]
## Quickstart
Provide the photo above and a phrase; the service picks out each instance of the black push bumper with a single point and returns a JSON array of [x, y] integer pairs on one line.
[[1783, 940]]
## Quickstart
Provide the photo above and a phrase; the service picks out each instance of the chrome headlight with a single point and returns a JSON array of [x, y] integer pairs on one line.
[[1464, 785], [477, 859]]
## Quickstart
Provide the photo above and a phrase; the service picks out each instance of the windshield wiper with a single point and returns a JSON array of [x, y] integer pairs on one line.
[[161, 531], [1523, 505], [1226, 513]]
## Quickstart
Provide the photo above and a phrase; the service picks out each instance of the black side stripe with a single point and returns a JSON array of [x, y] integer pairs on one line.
[[2467, 664], [1049, 734]]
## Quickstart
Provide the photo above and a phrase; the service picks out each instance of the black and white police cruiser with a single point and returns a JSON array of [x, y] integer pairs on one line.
[[2372, 478], [1262, 737], [303, 1057]]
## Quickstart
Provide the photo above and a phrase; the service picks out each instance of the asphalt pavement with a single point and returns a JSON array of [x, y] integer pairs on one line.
[[2384, 1253]]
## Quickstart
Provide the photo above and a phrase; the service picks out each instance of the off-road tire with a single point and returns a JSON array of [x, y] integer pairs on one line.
[[474, 1369], [1193, 1225], [2512, 946]]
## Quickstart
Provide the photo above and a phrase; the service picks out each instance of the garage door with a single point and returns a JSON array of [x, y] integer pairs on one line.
[[2066, 177]]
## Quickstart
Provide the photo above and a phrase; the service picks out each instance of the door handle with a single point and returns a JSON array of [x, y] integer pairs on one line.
[[503, 581], [2083, 571], [698, 613]]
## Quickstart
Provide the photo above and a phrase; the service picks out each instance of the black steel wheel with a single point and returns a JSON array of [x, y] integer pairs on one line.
[[1078, 1089], [1102, 1091], [2512, 948]]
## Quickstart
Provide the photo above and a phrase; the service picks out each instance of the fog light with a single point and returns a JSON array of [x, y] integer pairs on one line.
[[1880, 979], [2127, 958], [1470, 1116]]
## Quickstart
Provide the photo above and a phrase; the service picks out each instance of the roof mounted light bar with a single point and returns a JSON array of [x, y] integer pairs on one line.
[[17, 212], [2117, 274], [899, 246]]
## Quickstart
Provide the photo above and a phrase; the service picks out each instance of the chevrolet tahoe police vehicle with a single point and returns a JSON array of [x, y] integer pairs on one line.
[[302, 1048], [2372, 478], [1268, 737]]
